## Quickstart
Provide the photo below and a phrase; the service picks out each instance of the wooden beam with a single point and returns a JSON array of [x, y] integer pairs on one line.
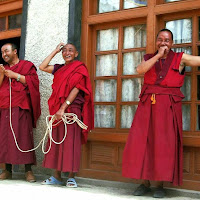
[[179, 6], [10, 5], [10, 34], [117, 16]]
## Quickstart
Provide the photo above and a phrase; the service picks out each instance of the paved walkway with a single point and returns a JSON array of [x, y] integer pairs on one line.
[[88, 189]]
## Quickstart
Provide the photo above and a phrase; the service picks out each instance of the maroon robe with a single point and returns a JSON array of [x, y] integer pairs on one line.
[[153, 149], [65, 157], [25, 109]]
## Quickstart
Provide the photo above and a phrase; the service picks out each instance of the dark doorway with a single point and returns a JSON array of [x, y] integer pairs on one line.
[[10, 40]]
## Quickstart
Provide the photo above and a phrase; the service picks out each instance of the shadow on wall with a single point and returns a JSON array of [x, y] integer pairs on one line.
[[10, 40]]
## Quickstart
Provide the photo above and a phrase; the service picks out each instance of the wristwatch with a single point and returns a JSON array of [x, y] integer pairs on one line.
[[67, 102]]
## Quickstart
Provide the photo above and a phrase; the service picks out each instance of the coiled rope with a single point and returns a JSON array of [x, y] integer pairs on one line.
[[67, 118]]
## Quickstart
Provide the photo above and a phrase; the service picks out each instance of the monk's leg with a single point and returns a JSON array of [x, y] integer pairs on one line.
[[57, 175], [71, 175], [146, 183]]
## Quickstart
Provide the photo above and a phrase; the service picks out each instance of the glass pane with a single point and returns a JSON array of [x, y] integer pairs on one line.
[[105, 90], [127, 114], [107, 40], [105, 116], [187, 50], [135, 36], [199, 28], [106, 65], [198, 87], [134, 3], [131, 89], [108, 5], [2, 23], [186, 88], [14, 21], [186, 117], [131, 61], [181, 29], [198, 117]]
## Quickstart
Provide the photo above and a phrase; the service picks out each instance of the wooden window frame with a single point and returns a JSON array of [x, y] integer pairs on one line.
[[7, 8], [154, 13]]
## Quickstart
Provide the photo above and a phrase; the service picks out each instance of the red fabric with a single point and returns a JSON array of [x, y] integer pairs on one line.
[[153, 149], [150, 77], [65, 157], [65, 79], [22, 125], [24, 96]]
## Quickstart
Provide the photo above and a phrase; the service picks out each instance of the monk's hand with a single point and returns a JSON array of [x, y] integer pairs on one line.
[[59, 47], [11, 74], [59, 114], [2, 69], [162, 50]]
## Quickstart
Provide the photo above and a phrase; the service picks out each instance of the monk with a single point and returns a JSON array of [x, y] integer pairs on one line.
[[20, 76], [72, 93], [154, 149]]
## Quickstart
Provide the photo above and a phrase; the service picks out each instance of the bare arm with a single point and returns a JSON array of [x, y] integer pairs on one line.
[[72, 95], [145, 66], [44, 66], [189, 60], [17, 76]]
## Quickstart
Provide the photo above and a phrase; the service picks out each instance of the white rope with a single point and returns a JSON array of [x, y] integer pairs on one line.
[[67, 118]]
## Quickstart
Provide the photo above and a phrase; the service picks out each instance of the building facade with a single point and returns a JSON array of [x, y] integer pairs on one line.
[[112, 36]]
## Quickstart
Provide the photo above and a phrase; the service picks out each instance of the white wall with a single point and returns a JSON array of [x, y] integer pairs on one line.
[[47, 26]]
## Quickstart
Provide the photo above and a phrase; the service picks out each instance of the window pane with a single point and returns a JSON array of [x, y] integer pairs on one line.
[[134, 3], [106, 65], [135, 36], [131, 61], [2, 23], [186, 117], [186, 88], [108, 5], [131, 89], [198, 87], [199, 28], [14, 21], [181, 29], [105, 90], [198, 117], [105, 116], [127, 114], [107, 40], [187, 50]]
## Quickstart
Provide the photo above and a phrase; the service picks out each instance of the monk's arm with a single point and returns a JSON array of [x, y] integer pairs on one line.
[[44, 66], [72, 95], [145, 66], [189, 60]]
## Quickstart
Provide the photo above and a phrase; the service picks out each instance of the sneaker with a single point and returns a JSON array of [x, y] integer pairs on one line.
[[141, 190], [159, 192]]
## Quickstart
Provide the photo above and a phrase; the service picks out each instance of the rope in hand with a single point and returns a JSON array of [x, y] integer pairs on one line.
[[67, 118]]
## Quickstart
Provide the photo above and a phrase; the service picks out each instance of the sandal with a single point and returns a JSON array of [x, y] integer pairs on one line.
[[71, 183], [52, 181]]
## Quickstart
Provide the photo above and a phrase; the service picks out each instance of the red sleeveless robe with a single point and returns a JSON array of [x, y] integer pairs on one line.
[[153, 149]]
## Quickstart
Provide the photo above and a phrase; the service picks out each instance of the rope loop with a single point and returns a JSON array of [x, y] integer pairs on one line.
[[67, 118]]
